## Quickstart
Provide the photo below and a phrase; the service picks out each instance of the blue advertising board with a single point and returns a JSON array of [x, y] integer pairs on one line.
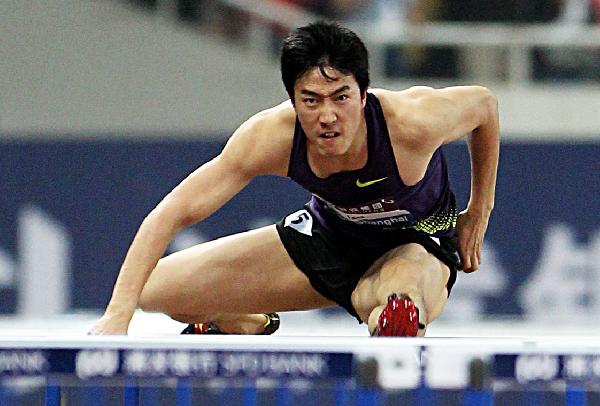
[[71, 207], [141, 362]]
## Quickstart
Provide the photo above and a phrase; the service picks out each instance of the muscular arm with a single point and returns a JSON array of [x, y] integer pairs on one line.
[[427, 118], [257, 147], [477, 117], [472, 111]]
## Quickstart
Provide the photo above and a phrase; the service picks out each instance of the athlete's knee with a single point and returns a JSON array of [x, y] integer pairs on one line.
[[411, 252], [407, 282], [408, 277]]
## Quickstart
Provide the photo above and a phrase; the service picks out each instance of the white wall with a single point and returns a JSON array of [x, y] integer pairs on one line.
[[83, 65], [89, 66]]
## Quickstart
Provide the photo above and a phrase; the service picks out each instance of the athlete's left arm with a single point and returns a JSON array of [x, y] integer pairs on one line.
[[470, 111]]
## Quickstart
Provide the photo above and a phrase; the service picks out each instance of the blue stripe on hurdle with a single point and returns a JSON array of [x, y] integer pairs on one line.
[[131, 394], [250, 395], [575, 396], [341, 393], [478, 397], [283, 395], [3, 401], [368, 397], [183, 392], [425, 395], [52, 396]]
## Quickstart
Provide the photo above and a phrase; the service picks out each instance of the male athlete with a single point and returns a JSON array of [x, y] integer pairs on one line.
[[380, 235]]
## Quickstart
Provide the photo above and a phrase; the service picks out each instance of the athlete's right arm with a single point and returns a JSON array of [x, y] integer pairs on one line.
[[260, 146]]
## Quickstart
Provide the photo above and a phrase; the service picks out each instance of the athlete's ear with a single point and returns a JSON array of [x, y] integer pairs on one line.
[[363, 98]]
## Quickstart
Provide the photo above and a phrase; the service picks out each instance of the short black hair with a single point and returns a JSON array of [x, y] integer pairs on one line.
[[323, 44]]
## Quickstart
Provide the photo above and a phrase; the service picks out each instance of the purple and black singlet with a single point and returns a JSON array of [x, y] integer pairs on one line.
[[367, 203]]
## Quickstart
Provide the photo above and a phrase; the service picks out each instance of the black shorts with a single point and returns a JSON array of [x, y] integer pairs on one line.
[[334, 264]]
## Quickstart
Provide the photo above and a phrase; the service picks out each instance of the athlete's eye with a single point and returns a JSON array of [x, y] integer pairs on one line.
[[309, 101], [342, 97]]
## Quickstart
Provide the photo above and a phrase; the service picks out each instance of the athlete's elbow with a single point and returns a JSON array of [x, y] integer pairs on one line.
[[167, 216], [488, 98], [488, 104]]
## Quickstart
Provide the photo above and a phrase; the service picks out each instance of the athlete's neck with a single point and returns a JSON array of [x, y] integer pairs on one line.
[[355, 157]]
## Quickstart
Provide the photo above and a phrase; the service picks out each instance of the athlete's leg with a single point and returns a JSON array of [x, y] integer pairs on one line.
[[406, 270], [230, 281]]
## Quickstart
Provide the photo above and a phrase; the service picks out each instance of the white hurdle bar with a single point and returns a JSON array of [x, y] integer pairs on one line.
[[367, 366]]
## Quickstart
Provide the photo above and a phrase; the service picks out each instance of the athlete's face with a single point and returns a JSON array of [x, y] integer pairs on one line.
[[330, 110]]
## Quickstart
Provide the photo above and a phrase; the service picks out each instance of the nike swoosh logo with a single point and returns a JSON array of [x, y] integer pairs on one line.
[[369, 182]]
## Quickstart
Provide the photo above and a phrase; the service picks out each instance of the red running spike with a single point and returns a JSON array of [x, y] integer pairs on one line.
[[200, 328], [400, 318]]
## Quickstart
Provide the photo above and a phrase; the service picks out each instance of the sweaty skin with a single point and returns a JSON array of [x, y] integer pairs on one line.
[[190, 285]]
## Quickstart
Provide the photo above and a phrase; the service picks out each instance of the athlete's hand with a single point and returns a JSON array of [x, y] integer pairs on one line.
[[110, 324], [471, 227]]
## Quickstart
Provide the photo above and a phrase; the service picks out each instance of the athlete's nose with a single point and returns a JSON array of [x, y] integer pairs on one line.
[[327, 114]]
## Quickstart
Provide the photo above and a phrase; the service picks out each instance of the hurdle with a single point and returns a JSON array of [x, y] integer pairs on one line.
[[288, 370]]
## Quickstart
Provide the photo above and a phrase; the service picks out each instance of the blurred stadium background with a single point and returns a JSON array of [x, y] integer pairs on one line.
[[107, 104]]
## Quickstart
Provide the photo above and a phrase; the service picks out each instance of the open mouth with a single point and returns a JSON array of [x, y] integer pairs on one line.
[[330, 134]]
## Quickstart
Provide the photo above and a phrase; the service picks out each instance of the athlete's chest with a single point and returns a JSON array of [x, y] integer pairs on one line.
[[373, 182], [369, 196]]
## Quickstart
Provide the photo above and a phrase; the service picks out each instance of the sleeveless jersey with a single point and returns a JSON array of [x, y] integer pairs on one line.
[[370, 202]]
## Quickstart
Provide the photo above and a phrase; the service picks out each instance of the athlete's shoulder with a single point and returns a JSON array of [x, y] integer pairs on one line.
[[281, 116], [275, 123], [405, 98], [264, 140], [405, 113], [418, 107], [428, 98], [425, 115]]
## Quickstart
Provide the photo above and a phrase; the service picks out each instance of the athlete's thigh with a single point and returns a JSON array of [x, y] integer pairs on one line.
[[250, 272], [406, 268]]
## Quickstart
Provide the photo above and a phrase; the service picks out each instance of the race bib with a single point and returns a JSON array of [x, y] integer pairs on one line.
[[300, 221]]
